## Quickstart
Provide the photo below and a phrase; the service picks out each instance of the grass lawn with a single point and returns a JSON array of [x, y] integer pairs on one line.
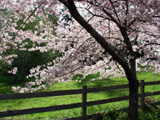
[[6, 84]]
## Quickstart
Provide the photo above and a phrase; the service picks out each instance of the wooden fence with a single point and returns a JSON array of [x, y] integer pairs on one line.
[[84, 104]]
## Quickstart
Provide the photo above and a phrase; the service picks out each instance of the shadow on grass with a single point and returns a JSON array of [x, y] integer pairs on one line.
[[96, 83], [102, 83]]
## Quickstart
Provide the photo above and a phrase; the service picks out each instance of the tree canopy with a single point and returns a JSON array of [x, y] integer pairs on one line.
[[107, 36]]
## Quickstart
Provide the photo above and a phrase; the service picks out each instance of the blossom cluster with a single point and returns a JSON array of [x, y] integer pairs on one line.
[[81, 54]]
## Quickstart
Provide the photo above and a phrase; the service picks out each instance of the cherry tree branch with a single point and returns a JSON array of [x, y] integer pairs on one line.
[[127, 10], [115, 11], [73, 11], [127, 41], [100, 16], [150, 44]]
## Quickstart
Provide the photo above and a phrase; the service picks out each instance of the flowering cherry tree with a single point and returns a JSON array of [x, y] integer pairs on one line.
[[106, 36]]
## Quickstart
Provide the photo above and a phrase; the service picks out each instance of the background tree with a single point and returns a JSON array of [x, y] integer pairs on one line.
[[25, 60]]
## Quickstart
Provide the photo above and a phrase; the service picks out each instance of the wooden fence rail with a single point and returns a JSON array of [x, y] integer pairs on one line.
[[84, 104]]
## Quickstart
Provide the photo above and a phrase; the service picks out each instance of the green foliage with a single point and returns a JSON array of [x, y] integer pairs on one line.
[[27, 60], [150, 115], [29, 25], [92, 76], [151, 68], [4, 67], [54, 20], [77, 77], [112, 114], [5, 13]]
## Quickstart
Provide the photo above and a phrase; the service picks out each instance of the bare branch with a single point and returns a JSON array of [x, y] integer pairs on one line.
[[127, 10], [112, 18], [115, 11], [100, 16], [116, 38], [151, 44]]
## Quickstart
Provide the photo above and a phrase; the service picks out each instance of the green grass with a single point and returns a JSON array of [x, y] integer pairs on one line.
[[7, 82]]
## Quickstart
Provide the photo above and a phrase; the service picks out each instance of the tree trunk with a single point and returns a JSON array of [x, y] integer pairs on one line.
[[133, 100], [133, 89]]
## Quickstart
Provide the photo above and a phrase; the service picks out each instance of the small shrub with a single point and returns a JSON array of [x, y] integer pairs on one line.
[[149, 100], [114, 115], [149, 114]]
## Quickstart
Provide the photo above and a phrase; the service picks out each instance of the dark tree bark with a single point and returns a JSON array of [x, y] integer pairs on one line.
[[133, 100], [133, 92]]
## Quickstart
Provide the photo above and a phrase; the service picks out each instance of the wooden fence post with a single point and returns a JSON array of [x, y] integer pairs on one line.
[[84, 100], [142, 92]]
